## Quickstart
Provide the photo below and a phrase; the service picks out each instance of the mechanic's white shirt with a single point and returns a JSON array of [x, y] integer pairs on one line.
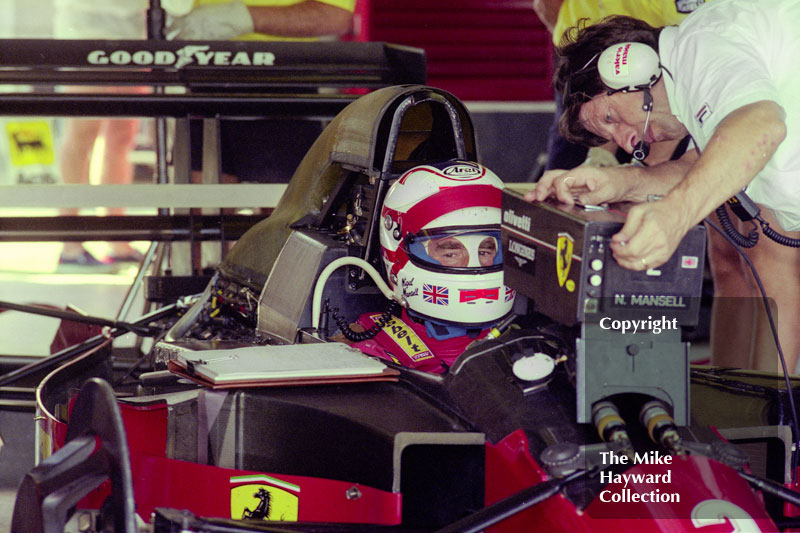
[[730, 53], [99, 19]]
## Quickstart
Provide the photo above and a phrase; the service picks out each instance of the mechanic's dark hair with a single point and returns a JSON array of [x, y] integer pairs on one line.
[[576, 77]]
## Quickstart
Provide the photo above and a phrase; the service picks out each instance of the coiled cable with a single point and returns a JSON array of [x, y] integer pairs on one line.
[[392, 309], [727, 226]]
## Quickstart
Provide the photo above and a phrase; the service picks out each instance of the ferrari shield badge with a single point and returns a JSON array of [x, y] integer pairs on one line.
[[564, 247], [258, 497]]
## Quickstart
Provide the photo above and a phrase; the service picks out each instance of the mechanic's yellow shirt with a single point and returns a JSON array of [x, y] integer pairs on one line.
[[349, 5], [655, 12]]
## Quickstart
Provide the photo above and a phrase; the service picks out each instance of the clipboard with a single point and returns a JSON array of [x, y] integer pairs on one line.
[[280, 365]]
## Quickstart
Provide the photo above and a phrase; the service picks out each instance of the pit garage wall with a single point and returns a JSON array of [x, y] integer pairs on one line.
[[495, 55]]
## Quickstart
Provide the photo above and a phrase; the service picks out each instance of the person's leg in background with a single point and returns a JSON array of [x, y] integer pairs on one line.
[[120, 140], [77, 145], [734, 310], [778, 267], [740, 332], [77, 148]]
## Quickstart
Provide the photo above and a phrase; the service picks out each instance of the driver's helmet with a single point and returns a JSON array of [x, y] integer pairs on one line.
[[440, 241]]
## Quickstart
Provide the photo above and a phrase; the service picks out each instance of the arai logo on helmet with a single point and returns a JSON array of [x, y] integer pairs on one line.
[[199, 54], [463, 171]]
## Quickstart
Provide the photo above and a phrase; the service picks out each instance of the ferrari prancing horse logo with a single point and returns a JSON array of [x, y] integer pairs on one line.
[[263, 497], [564, 247]]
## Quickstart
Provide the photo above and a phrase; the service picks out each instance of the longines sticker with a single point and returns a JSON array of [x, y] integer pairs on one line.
[[522, 253]]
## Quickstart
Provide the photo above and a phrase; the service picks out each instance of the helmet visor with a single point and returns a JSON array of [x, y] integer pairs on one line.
[[473, 249]]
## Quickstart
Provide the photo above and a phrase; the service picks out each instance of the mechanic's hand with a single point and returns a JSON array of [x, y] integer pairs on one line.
[[587, 185], [650, 235], [214, 22]]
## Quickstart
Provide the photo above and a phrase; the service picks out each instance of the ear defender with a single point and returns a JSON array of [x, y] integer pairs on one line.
[[629, 67]]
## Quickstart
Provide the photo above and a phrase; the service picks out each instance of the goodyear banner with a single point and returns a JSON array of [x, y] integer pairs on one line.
[[29, 151]]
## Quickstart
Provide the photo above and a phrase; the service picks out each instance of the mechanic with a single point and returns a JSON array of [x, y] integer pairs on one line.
[[728, 80], [560, 15], [440, 242], [263, 151]]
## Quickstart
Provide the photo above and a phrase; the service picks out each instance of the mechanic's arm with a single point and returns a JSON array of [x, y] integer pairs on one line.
[[547, 11], [739, 149], [594, 186], [304, 19]]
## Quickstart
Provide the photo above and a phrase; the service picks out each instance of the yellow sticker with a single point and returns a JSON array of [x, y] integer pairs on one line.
[[256, 501], [564, 257], [405, 337], [45, 443], [30, 143]]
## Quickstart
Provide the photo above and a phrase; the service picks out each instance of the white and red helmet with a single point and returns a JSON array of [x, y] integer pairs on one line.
[[440, 241]]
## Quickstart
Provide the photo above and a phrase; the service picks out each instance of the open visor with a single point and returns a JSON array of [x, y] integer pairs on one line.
[[465, 250]]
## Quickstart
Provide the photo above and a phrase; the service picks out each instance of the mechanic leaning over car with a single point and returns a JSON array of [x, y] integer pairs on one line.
[[560, 15], [725, 75], [440, 244]]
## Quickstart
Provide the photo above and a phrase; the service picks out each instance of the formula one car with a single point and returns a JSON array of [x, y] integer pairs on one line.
[[554, 423]]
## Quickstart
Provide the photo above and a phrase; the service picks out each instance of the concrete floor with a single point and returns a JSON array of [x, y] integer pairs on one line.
[[28, 276]]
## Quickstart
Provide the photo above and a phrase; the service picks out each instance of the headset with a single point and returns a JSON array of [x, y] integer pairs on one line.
[[628, 67]]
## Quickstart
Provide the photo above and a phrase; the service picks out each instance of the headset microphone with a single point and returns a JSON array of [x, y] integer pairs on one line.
[[641, 151], [642, 148]]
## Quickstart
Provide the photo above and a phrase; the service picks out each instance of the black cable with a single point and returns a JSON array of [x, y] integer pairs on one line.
[[143, 330], [392, 308], [747, 210], [790, 392], [710, 379], [777, 237], [733, 233], [775, 489], [64, 356]]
